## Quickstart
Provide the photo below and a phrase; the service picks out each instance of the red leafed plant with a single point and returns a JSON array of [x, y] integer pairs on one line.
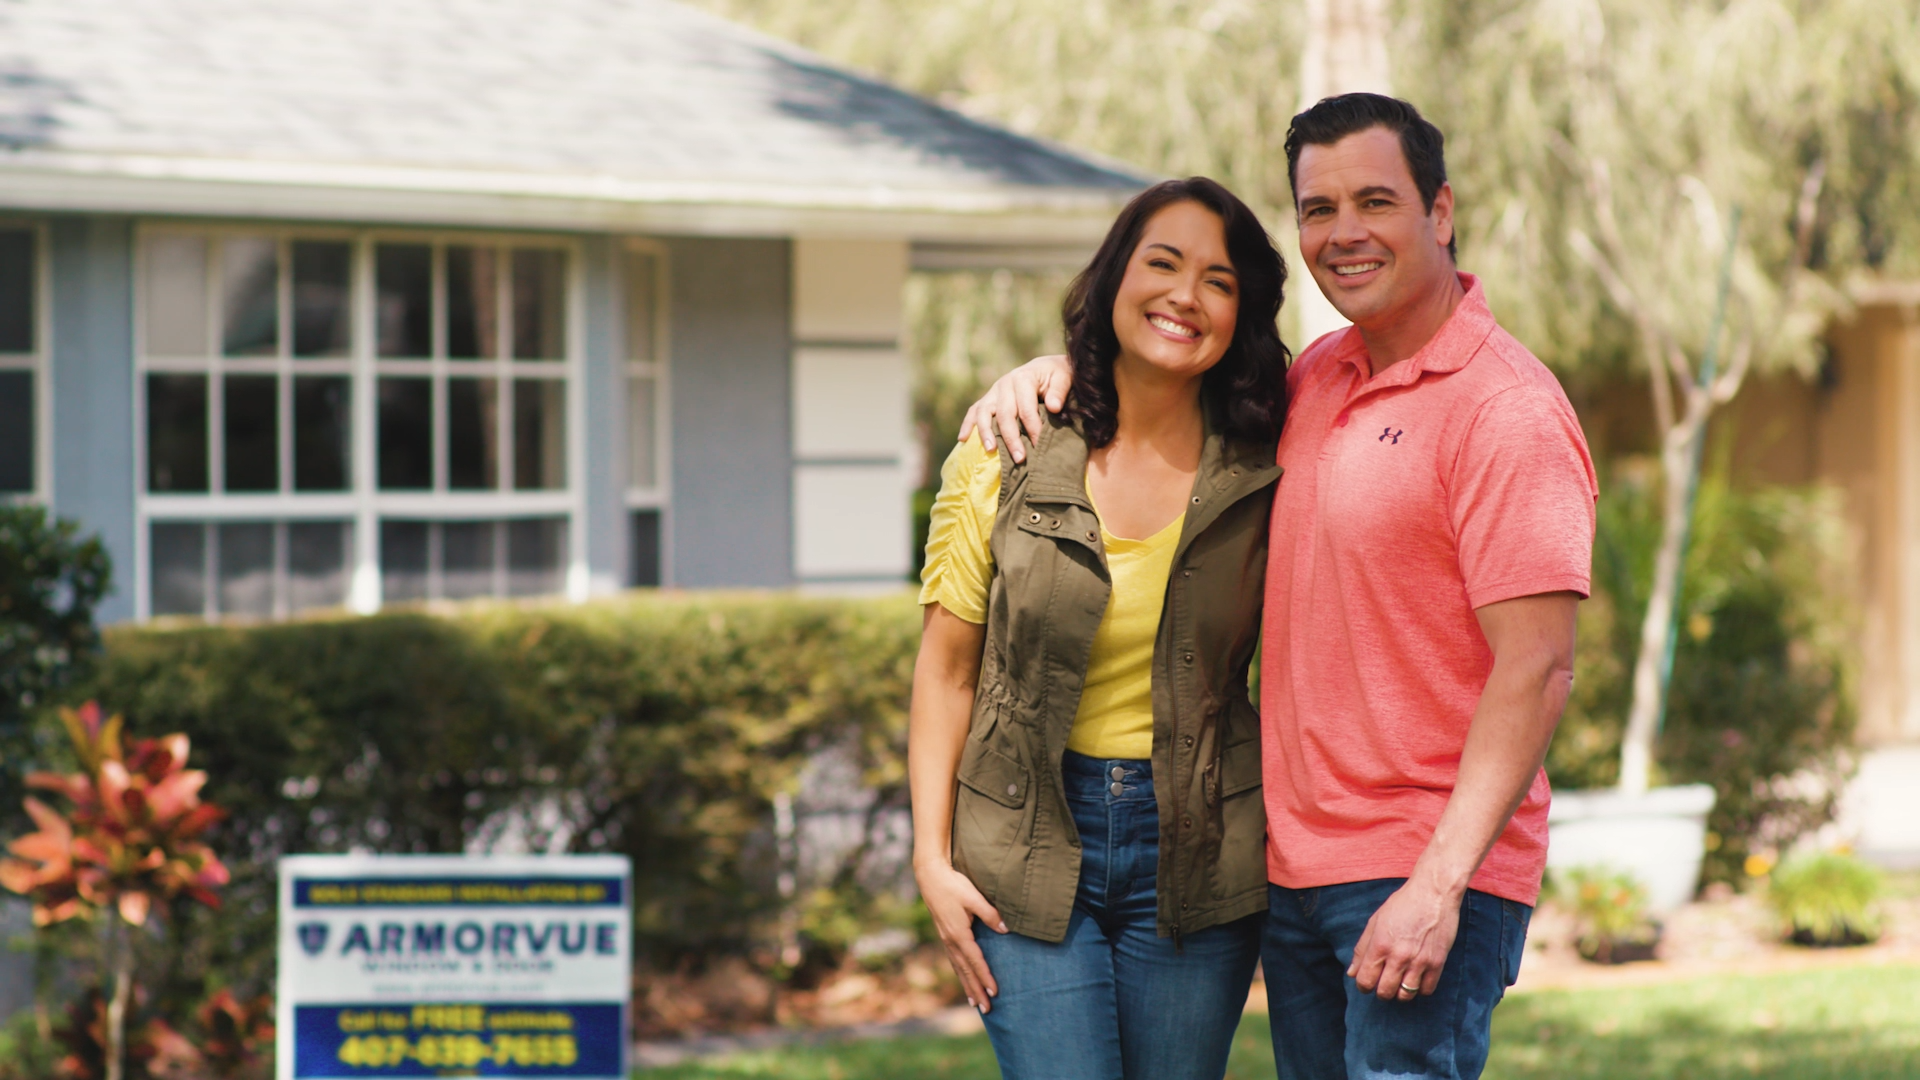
[[132, 839]]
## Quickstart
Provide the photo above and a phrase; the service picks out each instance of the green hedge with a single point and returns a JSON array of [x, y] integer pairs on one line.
[[658, 726]]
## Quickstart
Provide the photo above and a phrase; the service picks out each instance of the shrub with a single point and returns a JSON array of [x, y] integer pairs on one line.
[[1761, 704], [656, 726], [50, 582], [1826, 899], [1610, 914]]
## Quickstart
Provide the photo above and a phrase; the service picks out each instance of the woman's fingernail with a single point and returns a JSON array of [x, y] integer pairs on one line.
[[1003, 928], [970, 1002]]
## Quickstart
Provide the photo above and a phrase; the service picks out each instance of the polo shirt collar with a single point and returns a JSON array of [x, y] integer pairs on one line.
[[1448, 350]]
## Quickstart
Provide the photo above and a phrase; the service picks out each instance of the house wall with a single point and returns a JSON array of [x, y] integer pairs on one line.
[[732, 516], [1856, 426], [852, 444], [91, 367]]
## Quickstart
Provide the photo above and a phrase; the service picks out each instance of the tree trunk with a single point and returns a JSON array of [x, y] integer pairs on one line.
[[1345, 51], [120, 967], [1649, 670]]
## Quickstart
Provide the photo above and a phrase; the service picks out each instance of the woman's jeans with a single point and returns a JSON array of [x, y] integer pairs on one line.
[[1114, 1000]]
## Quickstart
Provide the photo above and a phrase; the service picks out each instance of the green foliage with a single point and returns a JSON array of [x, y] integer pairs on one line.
[[658, 727], [51, 579], [1609, 909], [1826, 899], [1762, 700]]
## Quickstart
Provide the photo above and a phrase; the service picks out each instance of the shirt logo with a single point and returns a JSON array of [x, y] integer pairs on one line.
[[1388, 435]]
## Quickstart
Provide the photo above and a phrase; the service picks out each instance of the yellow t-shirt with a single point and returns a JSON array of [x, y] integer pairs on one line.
[[1115, 719]]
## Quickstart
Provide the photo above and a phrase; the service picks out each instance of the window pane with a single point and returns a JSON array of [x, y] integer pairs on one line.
[[536, 556], [252, 422], [16, 431], [246, 569], [250, 294], [177, 433], [473, 434], [403, 283], [322, 298], [473, 309], [317, 564], [176, 296], [321, 417], [539, 434], [539, 304], [403, 560], [406, 434], [466, 559], [179, 559], [640, 434], [644, 571], [642, 292], [16, 290]]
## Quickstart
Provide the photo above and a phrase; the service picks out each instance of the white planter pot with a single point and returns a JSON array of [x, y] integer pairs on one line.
[[1659, 837]]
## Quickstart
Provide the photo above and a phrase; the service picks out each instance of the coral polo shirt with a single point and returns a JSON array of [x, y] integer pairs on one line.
[[1455, 479]]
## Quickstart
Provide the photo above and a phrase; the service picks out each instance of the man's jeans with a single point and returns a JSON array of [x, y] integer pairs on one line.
[[1115, 1001], [1325, 1028]]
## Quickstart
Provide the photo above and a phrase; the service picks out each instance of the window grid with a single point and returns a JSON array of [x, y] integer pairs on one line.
[[644, 277], [33, 363], [362, 503]]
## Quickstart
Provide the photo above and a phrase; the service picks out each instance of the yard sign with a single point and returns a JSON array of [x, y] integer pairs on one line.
[[431, 965]]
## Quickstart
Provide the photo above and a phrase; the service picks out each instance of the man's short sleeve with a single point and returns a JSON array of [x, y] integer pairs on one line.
[[1522, 499]]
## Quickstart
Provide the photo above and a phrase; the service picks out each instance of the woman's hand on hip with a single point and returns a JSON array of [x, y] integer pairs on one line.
[[955, 903]]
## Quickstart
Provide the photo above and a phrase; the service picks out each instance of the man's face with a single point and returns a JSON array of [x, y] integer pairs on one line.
[[1375, 251]]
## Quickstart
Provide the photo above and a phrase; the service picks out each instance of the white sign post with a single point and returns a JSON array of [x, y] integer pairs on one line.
[[431, 965]]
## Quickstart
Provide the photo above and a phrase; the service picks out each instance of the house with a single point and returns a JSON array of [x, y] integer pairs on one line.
[[308, 303]]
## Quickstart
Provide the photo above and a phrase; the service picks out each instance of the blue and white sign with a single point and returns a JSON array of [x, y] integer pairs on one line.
[[431, 965]]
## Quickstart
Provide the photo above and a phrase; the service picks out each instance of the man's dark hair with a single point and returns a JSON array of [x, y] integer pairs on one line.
[[1245, 394], [1331, 119]]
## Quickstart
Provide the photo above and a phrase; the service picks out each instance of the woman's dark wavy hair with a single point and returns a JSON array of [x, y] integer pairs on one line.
[[1245, 394]]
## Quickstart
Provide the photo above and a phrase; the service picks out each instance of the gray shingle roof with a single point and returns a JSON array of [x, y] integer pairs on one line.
[[611, 99]]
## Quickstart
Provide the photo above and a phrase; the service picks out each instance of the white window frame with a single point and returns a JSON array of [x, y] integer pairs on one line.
[[36, 363], [363, 504], [659, 497]]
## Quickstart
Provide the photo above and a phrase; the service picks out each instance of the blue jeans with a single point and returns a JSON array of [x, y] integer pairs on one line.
[[1115, 1001], [1324, 1027]]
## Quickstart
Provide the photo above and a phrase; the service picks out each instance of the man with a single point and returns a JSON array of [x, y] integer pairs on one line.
[[1431, 540]]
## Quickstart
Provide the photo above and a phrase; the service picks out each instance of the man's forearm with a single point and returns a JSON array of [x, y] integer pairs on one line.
[[1507, 741]]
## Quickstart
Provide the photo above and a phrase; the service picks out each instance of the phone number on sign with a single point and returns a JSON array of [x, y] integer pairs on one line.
[[462, 1051]]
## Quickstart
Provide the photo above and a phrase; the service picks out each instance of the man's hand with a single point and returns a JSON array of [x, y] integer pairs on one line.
[[954, 903], [1008, 404], [1406, 943]]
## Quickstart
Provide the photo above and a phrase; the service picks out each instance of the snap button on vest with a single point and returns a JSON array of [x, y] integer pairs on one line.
[[1013, 789]]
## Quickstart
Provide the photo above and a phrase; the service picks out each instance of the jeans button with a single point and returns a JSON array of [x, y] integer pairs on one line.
[[1117, 787], [1117, 773]]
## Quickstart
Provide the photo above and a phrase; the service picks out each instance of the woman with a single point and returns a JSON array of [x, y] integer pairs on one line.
[[1083, 757]]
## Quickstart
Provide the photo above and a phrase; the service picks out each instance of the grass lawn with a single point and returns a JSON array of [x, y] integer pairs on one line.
[[1858, 1023]]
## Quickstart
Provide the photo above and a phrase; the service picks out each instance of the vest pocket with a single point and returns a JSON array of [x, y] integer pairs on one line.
[[1242, 862], [989, 819]]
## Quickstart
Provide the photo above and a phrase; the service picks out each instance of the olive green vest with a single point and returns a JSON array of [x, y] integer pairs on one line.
[[1012, 833]]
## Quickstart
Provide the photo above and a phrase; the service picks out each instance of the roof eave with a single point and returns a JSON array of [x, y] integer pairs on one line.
[[202, 187]]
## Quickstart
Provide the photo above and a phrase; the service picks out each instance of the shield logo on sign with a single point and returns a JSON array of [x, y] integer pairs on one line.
[[313, 937]]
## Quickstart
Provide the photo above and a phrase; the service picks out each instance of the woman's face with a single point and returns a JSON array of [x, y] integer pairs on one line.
[[1177, 304]]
